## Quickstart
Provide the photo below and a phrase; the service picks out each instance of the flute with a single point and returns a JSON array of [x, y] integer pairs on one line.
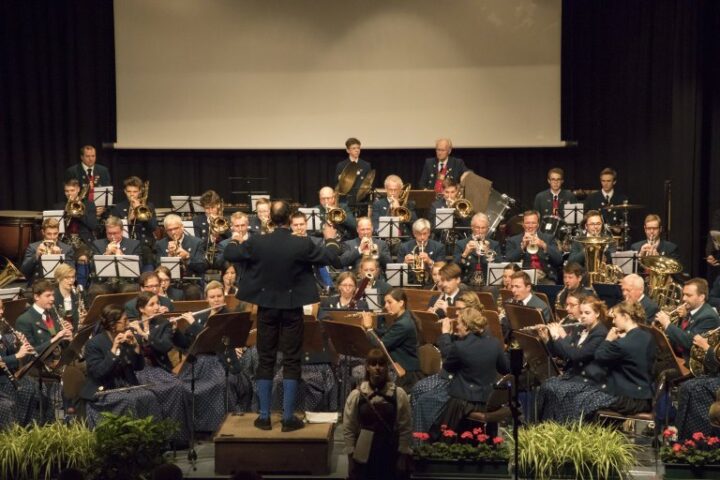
[[542, 325]]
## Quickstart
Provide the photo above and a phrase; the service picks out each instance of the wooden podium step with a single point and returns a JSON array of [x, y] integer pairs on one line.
[[241, 446]]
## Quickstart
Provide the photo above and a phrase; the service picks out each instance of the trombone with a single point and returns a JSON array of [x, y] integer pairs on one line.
[[463, 207], [401, 210], [76, 208]]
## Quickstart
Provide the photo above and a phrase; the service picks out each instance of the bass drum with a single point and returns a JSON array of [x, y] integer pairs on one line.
[[18, 228], [551, 225]]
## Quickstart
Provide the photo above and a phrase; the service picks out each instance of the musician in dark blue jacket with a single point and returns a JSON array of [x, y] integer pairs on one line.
[[653, 243], [535, 249], [552, 200], [440, 167]]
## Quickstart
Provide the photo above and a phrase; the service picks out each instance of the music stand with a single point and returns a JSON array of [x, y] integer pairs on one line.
[[101, 301], [397, 274], [539, 360], [532, 273], [573, 213], [10, 293], [375, 303], [521, 316], [444, 218], [610, 293], [313, 218], [495, 272], [248, 186], [117, 266], [58, 215], [626, 260], [172, 264], [666, 357], [389, 228], [103, 197], [188, 227], [38, 364], [75, 348], [431, 326], [49, 263], [186, 204]]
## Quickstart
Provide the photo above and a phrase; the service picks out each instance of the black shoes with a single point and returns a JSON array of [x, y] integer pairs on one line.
[[264, 423], [294, 423]]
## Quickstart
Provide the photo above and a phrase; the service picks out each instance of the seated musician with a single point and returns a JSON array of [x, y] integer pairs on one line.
[[239, 232], [143, 228], [114, 242], [654, 244], [209, 370], [112, 357], [712, 252], [386, 206], [552, 200], [593, 228], [508, 271], [149, 282], [347, 286], [474, 358], [229, 279], [633, 290], [166, 289], [572, 306], [352, 147], [260, 222], [572, 279], [40, 323], [442, 166], [698, 394], [79, 228], [90, 173], [607, 196], [328, 201], [401, 338], [435, 274], [545, 259], [378, 405], [475, 252], [450, 194], [67, 296], [211, 202], [521, 288], [17, 404], [355, 250], [298, 225], [451, 287], [695, 318], [32, 266], [190, 250], [576, 349], [369, 267], [421, 251]]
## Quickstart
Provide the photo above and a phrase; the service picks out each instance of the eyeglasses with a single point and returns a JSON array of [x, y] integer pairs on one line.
[[153, 285]]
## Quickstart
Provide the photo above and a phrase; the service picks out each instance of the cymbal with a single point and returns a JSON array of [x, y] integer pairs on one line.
[[623, 206], [366, 186]]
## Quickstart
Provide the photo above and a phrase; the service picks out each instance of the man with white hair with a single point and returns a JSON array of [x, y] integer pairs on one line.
[[384, 206], [422, 247], [188, 248], [440, 167], [475, 252], [633, 289], [328, 201]]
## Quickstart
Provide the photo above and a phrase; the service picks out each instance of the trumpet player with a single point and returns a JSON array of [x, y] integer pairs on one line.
[[442, 166], [696, 318], [594, 227], [384, 206], [422, 251], [364, 246], [633, 290], [31, 266], [450, 195], [17, 406], [114, 242], [40, 323], [536, 250], [239, 232], [187, 248], [653, 244], [90, 173], [329, 202], [80, 217], [475, 252], [260, 221]]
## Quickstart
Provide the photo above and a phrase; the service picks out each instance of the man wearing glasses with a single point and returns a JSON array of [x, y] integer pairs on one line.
[[593, 228], [149, 282], [653, 244], [551, 201]]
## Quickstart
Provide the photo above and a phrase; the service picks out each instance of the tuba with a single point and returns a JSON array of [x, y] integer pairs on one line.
[[598, 270], [661, 286], [402, 210], [142, 212], [10, 273], [697, 354], [76, 208]]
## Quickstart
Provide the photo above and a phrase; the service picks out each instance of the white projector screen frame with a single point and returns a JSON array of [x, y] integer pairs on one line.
[[285, 74]]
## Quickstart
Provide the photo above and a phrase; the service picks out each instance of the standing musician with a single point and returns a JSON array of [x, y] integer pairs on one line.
[[39, 323], [633, 290], [260, 222], [552, 201], [606, 196], [385, 206], [279, 279], [450, 194], [475, 252], [365, 246], [79, 230], [401, 339], [576, 349], [140, 229], [696, 318], [593, 221], [572, 281], [347, 288], [421, 252], [68, 299], [474, 359], [536, 250], [328, 200], [17, 405], [653, 243], [451, 288], [189, 249], [352, 147], [32, 266], [149, 282], [441, 167], [88, 172]]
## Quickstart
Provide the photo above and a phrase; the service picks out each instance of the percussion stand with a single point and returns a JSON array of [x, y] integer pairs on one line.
[[626, 228]]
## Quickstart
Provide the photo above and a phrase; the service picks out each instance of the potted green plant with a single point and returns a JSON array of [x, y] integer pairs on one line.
[[42, 451], [696, 457], [469, 452], [577, 450]]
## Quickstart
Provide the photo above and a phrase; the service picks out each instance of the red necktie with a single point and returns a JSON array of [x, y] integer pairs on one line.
[[91, 182], [535, 262], [555, 205], [440, 177]]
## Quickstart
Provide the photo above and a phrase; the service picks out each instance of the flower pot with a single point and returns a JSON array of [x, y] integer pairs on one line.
[[429, 468], [684, 470]]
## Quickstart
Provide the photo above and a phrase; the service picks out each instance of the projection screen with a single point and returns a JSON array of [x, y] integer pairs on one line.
[[285, 74]]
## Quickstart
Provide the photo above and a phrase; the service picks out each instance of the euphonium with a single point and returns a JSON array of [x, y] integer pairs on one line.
[[142, 212], [696, 363], [661, 286], [9, 273], [401, 210]]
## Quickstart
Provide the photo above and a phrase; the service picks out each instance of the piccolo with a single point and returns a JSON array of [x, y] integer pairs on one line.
[[543, 325]]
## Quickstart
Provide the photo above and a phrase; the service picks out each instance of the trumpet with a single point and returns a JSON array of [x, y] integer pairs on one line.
[[49, 245], [482, 248], [650, 247], [266, 226], [532, 247], [367, 248], [418, 265], [173, 248]]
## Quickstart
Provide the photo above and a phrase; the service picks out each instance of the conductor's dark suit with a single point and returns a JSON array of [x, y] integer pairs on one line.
[[279, 279]]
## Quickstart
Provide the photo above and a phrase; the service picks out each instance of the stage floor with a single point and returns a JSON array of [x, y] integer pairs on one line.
[[645, 469]]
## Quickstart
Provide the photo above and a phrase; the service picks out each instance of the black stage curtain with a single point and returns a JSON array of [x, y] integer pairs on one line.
[[640, 94]]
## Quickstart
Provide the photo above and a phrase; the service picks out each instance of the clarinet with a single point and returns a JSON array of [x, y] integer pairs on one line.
[[19, 337]]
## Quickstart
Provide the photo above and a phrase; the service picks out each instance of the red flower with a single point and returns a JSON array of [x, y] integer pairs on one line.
[[668, 433], [713, 440], [449, 433], [677, 447], [466, 435], [697, 436], [482, 438], [443, 427], [498, 440], [690, 443], [477, 431], [421, 436]]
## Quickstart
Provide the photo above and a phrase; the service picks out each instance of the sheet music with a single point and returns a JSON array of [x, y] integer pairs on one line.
[[573, 213], [10, 293], [627, 260], [188, 227], [444, 218], [495, 272], [254, 199], [312, 216], [117, 266], [49, 262], [186, 204], [397, 274], [103, 197], [389, 227], [172, 264]]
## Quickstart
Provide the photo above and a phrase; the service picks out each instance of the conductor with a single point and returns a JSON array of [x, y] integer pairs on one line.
[[279, 280]]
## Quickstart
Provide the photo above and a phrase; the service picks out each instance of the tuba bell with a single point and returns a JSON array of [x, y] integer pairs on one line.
[[9, 273], [402, 210], [696, 364], [661, 286], [598, 270]]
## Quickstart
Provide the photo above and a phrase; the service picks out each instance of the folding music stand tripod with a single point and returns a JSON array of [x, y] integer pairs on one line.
[[38, 364]]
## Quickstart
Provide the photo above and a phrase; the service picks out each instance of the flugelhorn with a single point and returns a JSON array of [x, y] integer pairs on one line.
[[532, 246]]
